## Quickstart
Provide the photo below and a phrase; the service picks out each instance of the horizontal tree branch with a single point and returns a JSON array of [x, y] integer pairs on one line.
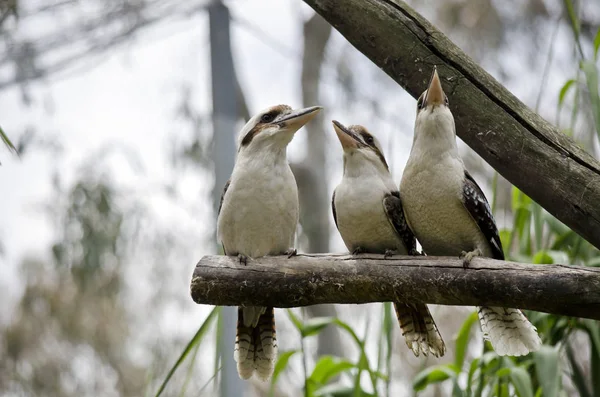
[[323, 278], [527, 150]]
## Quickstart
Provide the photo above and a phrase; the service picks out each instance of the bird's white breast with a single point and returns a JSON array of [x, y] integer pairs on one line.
[[361, 217], [260, 210], [431, 191]]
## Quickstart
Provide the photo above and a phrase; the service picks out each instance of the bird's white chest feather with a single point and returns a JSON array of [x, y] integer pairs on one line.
[[361, 217], [431, 191], [260, 211]]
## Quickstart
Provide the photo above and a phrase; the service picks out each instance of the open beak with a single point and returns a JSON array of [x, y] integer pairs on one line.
[[346, 137], [299, 117], [435, 93]]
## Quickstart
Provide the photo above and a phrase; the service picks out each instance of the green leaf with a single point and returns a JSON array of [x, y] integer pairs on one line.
[[462, 340], [350, 331], [596, 44], [7, 142], [315, 325], [542, 258], [521, 381], [338, 390], [431, 375], [280, 365], [547, 369], [190, 346], [564, 90], [328, 367], [472, 369], [503, 372], [295, 320], [572, 18], [591, 77], [505, 238]]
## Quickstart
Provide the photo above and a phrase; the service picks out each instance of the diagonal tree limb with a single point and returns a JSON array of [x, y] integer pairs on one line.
[[527, 150]]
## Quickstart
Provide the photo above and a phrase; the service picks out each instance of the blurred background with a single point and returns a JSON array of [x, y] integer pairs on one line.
[[124, 113]]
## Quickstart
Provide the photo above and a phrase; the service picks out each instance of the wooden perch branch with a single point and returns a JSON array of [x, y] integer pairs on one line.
[[527, 150], [321, 278]]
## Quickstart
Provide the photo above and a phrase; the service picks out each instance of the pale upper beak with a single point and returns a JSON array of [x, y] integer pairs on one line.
[[346, 137], [435, 93], [298, 117]]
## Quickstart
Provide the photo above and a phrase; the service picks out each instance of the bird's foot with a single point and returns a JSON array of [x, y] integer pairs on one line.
[[388, 253], [467, 257], [243, 259], [291, 252], [357, 250]]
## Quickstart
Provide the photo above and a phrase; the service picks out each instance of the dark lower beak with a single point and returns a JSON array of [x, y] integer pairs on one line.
[[345, 136]]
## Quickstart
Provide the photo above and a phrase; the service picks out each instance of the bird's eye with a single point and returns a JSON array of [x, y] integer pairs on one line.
[[446, 100], [369, 140], [267, 118], [420, 103]]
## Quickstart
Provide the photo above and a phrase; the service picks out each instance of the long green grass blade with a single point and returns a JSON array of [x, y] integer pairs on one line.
[[591, 78], [462, 340], [574, 23], [190, 346], [7, 141]]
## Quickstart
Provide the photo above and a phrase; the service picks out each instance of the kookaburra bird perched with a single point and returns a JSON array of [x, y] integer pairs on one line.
[[258, 216], [368, 213], [450, 215]]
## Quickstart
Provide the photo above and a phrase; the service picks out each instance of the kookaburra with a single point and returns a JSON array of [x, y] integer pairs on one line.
[[258, 216], [450, 215], [368, 214]]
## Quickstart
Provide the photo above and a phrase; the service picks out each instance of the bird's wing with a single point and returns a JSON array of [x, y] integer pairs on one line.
[[333, 209], [221, 205], [475, 202], [223, 195], [393, 209]]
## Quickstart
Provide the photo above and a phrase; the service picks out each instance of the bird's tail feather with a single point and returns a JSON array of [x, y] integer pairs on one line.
[[255, 342], [508, 330], [419, 329]]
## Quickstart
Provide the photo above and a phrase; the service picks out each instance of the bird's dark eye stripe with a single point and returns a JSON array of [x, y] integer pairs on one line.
[[268, 117], [368, 138]]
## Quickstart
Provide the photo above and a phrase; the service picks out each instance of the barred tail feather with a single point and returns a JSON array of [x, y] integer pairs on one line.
[[509, 331], [256, 342], [419, 329]]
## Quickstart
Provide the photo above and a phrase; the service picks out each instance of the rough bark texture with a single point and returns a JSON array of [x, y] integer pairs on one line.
[[315, 279], [527, 150]]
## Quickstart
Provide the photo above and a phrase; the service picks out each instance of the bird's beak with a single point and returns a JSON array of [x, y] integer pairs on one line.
[[435, 93], [299, 117], [346, 137]]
